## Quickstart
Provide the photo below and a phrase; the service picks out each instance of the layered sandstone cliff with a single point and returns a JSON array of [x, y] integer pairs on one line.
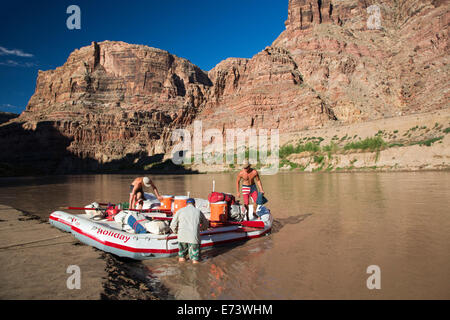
[[267, 91], [337, 63], [110, 101], [369, 68]]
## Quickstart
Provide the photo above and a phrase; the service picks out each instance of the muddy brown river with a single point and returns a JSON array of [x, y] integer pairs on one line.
[[329, 228]]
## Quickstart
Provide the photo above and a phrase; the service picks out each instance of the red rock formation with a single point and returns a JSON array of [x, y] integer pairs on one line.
[[334, 64], [331, 64], [112, 99], [119, 75], [365, 73], [266, 91]]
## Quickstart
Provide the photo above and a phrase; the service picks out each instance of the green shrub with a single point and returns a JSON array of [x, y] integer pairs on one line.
[[428, 142], [318, 159], [396, 145], [286, 150], [293, 165], [330, 148], [367, 144], [289, 149], [310, 146]]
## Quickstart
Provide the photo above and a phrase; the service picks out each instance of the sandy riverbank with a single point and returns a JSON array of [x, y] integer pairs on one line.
[[34, 258], [407, 143]]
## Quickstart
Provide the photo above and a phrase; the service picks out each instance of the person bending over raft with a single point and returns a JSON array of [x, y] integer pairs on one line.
[[187, 224], [249, 177], [137, 191]]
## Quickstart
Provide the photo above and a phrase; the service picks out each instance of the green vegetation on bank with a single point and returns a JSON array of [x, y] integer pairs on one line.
[[299, 148], [318, 154], [369, 144], [312, 154], [427, 142]]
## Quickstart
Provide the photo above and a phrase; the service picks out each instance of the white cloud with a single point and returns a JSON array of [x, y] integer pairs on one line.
[[9, 63], [12, 63], [7, 105], [14, 52]]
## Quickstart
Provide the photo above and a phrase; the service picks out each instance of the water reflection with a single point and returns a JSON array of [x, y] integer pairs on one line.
[[226, 272], [328, 228]]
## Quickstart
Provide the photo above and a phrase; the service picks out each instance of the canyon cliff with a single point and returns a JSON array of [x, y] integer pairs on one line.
[[337, 63], [110, 103], [334, 65]]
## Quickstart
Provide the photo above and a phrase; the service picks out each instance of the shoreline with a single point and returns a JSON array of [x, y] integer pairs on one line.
[[35, 259], [410, 143], [281, 171], [414, 142]]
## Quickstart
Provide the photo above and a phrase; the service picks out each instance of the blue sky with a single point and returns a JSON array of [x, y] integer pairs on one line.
[[34, 35]]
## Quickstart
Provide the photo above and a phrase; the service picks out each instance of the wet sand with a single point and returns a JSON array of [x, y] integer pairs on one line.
[[34, 258]]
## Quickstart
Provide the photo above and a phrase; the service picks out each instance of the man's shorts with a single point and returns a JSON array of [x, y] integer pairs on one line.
[[138, 190], [193, 248], [251, 191]]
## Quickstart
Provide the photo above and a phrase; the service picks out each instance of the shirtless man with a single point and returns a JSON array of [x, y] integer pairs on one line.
[[249, 176], [137, 191]]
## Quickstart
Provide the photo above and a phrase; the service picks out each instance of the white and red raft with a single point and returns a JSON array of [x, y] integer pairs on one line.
[[112, 237]]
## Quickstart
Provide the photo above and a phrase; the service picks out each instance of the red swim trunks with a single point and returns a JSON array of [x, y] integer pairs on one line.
[[249, 191]]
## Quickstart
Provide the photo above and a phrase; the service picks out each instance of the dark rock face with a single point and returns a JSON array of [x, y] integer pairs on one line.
[[6, 116]]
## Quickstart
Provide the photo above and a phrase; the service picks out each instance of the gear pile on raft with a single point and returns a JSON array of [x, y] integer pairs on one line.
[[142, 230]]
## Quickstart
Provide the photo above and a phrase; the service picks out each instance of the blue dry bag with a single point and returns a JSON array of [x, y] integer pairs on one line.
[[261, 199], [137, 227]]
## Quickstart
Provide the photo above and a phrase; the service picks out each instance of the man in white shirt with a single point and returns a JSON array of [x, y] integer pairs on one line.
[[187, 223]]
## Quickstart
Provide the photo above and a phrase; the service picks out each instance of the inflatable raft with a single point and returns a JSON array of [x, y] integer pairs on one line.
[[112, 237]]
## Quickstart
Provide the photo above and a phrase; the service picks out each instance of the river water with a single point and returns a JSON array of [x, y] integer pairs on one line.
[[329, 228]]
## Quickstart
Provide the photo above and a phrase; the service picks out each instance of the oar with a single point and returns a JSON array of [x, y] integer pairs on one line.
[[112, 204], [251, 224], [107, 204], [151, 210], [78, 208], [160, 218], [140, 210]]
